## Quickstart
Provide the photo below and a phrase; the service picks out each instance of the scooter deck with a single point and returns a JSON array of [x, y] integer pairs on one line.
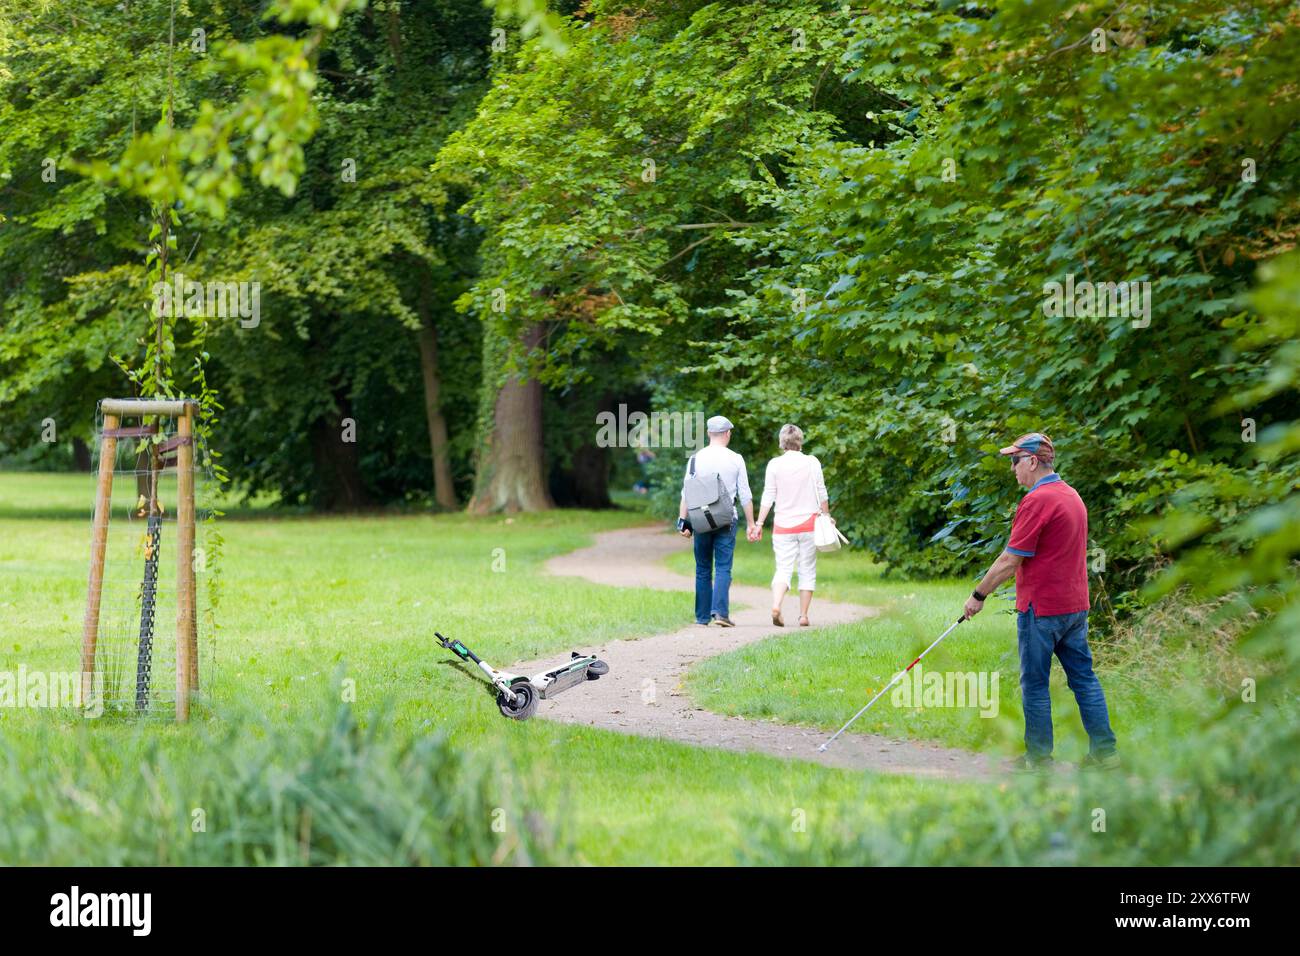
[[562, 678]]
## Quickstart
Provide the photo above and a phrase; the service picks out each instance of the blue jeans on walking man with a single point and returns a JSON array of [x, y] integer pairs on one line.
[[713, 553], [1066, 636]]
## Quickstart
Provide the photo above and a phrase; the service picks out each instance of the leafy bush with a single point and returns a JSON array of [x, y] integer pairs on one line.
[[924, 255]]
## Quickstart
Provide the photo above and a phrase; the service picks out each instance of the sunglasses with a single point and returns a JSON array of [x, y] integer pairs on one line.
[[1017, 459]]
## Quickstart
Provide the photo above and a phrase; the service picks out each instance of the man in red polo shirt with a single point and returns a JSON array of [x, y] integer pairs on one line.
[[1047, 554]]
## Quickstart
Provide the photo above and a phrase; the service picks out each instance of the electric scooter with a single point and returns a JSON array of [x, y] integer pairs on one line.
[[517, 695]]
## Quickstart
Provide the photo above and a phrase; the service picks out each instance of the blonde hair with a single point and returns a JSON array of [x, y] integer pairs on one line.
[[791, 438]]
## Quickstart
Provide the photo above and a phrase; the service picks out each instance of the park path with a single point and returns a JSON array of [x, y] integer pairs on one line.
[[633, 558]]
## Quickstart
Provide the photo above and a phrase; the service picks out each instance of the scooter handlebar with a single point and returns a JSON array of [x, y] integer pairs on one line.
[[457, 648]]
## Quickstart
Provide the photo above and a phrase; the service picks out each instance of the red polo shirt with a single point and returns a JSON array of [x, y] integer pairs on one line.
[[1050, 531]]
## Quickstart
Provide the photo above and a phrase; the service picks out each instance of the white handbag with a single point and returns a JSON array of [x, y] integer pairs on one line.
[[826, 536]]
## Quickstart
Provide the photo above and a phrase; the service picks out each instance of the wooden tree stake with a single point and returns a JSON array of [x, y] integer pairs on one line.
[[187, 666], [98, 545]]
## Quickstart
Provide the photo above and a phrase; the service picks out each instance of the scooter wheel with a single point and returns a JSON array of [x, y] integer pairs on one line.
[[597, 669], [525, 704]]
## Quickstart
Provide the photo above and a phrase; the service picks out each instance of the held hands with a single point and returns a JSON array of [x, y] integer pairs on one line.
[[754, 533]]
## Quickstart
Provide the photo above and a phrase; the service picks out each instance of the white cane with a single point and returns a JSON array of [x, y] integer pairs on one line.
[[899, 676]]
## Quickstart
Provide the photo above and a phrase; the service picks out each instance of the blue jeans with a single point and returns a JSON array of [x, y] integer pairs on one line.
[[713, 552], [1065, 635]]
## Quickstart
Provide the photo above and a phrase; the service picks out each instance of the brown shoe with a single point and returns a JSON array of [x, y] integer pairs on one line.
[[803, 622], [777, 619]]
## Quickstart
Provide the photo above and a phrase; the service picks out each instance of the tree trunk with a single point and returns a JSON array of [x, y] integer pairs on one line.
[[338, 464], [583, 481], [444, 492], [80, 454], [591, 476], [510, 475], [585, 484]]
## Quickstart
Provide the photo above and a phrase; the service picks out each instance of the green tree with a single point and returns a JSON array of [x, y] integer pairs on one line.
[[619, 187]]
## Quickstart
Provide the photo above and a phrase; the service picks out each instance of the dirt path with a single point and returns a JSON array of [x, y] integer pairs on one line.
[[643, 692]]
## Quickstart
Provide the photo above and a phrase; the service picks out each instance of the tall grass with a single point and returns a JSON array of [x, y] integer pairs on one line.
[[1213, 783], [1223, 798], [251, 791]]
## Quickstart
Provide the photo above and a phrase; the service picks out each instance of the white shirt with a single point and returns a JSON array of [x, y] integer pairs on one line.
[[794, 483], [730, 466]]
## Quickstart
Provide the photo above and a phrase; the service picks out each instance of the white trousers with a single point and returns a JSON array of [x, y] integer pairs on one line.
[[790, 548]]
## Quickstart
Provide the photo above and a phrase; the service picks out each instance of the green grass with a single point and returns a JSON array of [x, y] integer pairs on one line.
[[309, 602], [822, 679]]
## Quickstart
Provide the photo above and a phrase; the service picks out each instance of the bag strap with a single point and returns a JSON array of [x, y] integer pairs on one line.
[[708, 515]]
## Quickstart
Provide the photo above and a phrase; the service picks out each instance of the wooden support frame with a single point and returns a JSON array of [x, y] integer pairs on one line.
[[187, 656], [135, 407], [187, 650], [98, 545]]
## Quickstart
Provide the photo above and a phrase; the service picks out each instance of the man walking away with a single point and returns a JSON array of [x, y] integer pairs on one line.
[[715, 549], [1047, 554]]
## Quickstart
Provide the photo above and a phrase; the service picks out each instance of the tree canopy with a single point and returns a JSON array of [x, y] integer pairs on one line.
[[916, 230]]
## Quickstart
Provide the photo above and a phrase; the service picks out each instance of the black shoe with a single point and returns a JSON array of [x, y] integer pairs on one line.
[[1027, 764], [703, 623], [721, 621], [1110, 761]]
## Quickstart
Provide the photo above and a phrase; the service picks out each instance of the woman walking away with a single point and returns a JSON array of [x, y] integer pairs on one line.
[[794, 486]]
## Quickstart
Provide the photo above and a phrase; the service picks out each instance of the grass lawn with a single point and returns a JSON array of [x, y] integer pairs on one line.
[[822, 679], [310, 602]]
